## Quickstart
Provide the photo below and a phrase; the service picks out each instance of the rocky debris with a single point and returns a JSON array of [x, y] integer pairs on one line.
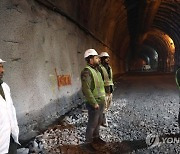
[[23, 151], [132, 116]]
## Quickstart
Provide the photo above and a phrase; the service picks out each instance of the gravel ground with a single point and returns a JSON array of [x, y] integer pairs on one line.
[[142, 105]]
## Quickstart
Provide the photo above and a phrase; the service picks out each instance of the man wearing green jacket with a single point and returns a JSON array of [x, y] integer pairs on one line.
[[107, 75], [94, 92], [177, 77]]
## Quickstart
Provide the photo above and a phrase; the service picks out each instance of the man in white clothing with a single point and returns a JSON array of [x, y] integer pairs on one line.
[[9, 130]]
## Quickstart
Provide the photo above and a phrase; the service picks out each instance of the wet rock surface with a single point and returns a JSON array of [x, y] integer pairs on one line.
[[142, 105]]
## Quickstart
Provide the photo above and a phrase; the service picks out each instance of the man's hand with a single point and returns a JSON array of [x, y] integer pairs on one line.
[[96, 106]]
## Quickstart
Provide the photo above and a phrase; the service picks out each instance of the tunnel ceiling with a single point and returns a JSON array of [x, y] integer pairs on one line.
[[124, 25]]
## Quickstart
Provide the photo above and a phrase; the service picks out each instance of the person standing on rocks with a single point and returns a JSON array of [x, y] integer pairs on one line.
[[94, 92], [9, 130], [177, 77], [107, 75]]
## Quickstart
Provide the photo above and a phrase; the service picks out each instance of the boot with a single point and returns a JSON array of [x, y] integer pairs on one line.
[[98, 140], [89, 148]]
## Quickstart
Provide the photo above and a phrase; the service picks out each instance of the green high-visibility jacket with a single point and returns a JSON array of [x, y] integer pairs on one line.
[[92, 86], [177, 77], [108, 81]]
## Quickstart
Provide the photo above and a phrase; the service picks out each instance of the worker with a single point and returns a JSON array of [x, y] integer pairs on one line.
[[107, 76], [9, 130], [94, 92]]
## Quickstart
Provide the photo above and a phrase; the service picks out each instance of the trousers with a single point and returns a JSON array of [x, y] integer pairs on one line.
[[108, 100], [12, 146], [95, 117]]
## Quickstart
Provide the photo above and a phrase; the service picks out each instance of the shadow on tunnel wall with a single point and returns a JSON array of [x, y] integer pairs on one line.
[[131, 14], [134, 14], [133, 8]]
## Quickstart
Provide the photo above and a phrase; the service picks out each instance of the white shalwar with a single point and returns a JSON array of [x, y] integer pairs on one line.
[[8, 120]]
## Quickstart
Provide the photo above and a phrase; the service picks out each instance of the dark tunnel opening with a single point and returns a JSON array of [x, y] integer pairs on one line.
[[157, 51]]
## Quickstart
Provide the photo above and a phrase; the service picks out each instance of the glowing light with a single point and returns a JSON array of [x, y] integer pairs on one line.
[[170, 42]]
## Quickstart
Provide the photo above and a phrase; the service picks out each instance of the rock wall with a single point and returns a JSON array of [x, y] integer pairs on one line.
[[40, 46]]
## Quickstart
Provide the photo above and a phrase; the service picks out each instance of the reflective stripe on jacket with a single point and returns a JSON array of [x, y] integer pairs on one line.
[[8, 121], [107, 81]]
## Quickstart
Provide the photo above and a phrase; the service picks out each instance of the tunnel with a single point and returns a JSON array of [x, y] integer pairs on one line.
[[43, 42]]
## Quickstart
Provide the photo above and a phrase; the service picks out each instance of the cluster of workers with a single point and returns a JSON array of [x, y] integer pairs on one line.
[[97, 87]]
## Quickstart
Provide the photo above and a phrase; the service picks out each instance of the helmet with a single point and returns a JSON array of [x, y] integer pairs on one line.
[[90, 52], [104, 54]]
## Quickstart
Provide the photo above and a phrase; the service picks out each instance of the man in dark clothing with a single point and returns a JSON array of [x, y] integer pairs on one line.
[[107, 75], [93, 90], [177, 77]]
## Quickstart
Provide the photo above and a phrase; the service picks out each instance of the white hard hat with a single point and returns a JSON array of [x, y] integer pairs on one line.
[[104, 54], [90, 52], [2, 61]]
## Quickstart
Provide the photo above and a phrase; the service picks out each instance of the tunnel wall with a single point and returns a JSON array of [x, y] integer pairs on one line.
[[40, 46]]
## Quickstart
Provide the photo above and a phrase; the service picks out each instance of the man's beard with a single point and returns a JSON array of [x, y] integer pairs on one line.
[[96, 64]]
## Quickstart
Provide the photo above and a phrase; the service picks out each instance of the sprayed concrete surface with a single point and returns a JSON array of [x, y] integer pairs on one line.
[[143, 104]]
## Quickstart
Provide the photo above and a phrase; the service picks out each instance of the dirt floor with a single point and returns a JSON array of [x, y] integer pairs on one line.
[[143, 105]]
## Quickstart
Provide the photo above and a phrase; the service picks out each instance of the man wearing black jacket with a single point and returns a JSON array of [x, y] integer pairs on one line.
[[107, 75]]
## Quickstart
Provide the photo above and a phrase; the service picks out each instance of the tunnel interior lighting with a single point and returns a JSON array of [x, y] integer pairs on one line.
[[171, 43]]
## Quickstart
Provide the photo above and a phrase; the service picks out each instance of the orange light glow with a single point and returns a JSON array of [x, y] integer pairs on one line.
[[170, 42]]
